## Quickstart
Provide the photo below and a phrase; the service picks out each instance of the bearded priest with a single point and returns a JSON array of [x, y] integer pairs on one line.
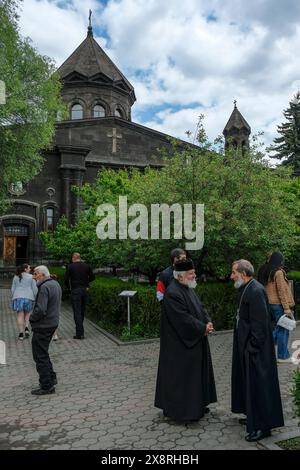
[[255, 387]]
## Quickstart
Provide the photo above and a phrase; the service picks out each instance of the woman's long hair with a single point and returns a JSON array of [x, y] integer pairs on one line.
[[275, 263], [20, 270]]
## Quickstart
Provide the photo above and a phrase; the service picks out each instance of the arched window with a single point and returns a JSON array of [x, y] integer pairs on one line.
[[77, 111], [118, 113], [49, 219], [98, 111]]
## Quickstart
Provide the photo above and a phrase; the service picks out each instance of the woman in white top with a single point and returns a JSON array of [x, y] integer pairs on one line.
[[24, 290]]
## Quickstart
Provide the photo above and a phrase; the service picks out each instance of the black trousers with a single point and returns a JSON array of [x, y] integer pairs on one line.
[[78, 299], [40, 345]]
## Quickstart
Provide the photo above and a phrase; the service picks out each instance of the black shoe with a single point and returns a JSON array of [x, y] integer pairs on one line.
[[257, 435], [243, 421], [27, 333], [21, 336], [41, 391], [78, 337]]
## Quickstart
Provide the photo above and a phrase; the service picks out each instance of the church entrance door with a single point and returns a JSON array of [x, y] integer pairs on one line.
[[15, 247], [9, 251]]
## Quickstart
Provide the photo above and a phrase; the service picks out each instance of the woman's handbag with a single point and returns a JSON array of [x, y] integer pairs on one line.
[[287, 322]]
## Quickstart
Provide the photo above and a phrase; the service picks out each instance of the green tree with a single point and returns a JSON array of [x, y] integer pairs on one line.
[[249, 209], [138, 256], [28, 116], [287, 146]]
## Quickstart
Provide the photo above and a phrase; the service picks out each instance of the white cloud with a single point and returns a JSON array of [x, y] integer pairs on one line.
[[55, 27], [175, 54]]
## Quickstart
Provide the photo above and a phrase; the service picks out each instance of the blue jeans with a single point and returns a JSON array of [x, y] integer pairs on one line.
[[280, 335]]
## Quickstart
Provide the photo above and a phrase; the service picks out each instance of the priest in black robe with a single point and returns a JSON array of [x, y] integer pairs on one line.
[[255, 385], [185, 380]]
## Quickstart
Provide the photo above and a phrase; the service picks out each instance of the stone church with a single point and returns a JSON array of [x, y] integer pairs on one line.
[[98, 133]]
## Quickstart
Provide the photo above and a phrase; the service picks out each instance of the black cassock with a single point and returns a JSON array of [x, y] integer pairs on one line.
[[185, 380], [255, 386]]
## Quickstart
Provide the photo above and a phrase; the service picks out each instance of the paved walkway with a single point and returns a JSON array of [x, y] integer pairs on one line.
[[104, 399]]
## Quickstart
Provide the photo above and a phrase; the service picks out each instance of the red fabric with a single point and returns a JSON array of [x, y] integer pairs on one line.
[[160, 287]]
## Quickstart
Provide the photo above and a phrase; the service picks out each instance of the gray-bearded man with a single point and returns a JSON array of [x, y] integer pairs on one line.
[[185, 379]]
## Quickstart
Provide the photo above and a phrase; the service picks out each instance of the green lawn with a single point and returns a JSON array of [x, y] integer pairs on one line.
[[290, 444]]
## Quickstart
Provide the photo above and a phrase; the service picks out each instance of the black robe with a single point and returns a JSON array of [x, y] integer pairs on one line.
[[185, 380], [255, 385]]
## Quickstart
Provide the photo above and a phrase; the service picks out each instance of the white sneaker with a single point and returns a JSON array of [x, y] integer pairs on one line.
[[283, 361], [55, 337]]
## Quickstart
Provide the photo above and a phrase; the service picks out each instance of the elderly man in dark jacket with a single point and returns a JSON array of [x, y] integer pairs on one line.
[[255, 386], [44, 321]]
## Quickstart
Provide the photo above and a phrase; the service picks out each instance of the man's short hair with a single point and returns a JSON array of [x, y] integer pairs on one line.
[[42, 269], [178, 274], [176, 253], [244, 266]]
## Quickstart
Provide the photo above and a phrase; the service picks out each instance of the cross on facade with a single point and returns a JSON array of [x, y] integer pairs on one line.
[[114, 136]]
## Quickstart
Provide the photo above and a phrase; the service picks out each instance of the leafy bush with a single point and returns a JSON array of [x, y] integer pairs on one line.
[[220, 301], [105, 307], [59, 272], [109, 311], [295, 275]]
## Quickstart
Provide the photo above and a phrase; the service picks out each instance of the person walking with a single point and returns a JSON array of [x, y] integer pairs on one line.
[[23, 290], [281, 302], [77, 278], [185, 379], [44, 322], [255, 388]]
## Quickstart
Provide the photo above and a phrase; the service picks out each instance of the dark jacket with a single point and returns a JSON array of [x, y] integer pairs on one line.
[[47, 305], [185, 380], [78, 275], [255, 385], [164, 280]]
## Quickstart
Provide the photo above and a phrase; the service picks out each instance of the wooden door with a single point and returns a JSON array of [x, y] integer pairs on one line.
[[9, 251]]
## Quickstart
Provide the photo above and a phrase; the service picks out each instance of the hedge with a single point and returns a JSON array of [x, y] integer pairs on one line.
[[59, 271], [109, 311], [294, 275]]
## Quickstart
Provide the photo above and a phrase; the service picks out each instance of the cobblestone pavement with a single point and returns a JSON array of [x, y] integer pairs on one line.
[[104, 397]]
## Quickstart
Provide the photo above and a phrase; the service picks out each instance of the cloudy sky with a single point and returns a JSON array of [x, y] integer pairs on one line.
[[186, 57]]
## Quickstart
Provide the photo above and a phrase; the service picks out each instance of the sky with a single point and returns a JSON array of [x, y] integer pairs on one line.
[[185, 58]]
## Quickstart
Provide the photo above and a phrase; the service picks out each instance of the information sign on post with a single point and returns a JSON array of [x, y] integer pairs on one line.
[[128, 294]]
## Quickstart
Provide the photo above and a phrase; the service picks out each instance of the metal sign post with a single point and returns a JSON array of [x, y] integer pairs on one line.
[[128, 294], [2, 353]]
